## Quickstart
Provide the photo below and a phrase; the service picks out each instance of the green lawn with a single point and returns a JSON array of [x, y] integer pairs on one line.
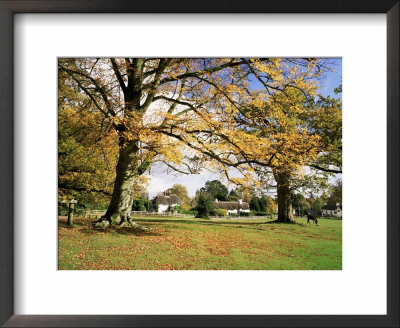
[[197, 244]]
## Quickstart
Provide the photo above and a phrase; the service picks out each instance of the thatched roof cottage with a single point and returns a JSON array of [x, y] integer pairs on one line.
[[232, 207], [166, 202]]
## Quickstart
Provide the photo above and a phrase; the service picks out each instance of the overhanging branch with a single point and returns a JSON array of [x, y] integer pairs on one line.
[[325, 169]]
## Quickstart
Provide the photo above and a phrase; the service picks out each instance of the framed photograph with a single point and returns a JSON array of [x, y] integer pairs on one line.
[[174, 164]]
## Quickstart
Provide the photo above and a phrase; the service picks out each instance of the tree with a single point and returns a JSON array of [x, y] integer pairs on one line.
[[255, 204], [271, 205], [263, 203], [139, 204], [308, 142], [182, 192], [204, 205], [245, 193], [317, 206], [336, 193], [233, 196], [297, 130], [86, 150], [300, 204], [216, 190]]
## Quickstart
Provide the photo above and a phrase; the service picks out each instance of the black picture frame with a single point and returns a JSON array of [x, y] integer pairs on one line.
[[10, 7]]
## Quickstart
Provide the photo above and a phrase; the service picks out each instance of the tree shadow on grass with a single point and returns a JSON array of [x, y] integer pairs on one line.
[[199, 221], [278, 222], [232, 224], [88, 230], [180, 221], [122, 231], [286, 223], [85, 227]]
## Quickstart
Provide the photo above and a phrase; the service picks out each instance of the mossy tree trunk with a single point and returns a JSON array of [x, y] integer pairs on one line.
[[128, 168], [121, 200]]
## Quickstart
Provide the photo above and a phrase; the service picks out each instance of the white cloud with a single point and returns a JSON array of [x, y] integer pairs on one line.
[[157, 184]]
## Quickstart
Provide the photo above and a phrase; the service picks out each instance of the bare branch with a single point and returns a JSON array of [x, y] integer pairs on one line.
[[118, 75]]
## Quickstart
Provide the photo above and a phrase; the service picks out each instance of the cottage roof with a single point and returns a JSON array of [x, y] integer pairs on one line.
[[231, 205], [167, 200], [331, 207]]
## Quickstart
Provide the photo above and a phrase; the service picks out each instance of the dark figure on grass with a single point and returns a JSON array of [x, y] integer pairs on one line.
[[312, 216]]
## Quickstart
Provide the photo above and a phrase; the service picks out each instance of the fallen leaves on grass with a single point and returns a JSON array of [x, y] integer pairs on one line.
[[166, 266], [81, 255], [221, 244], [179, 242], [179, 246]]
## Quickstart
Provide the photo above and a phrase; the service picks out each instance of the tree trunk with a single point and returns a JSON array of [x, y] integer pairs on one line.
[[70, 214], [285, 208], [120, 206]]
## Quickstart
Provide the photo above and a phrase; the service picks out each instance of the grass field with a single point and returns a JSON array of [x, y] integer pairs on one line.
[[197, 244]]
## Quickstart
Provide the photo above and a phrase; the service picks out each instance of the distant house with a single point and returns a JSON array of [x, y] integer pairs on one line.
[[332, 210], [166, 202], [232, 207]]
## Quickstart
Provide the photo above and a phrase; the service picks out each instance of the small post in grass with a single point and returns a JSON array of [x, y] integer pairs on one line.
[[71, 203]]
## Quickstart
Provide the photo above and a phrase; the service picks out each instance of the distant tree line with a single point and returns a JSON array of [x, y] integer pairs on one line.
[[259, 204]]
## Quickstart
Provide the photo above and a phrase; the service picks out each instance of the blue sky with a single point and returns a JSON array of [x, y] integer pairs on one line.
[[162, 180], [332, 79]]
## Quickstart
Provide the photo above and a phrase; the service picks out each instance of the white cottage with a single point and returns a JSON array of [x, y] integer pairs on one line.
[[332, 210], [232, 207]]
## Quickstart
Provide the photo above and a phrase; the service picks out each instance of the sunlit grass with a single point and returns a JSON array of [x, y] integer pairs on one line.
[[197, 244]]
